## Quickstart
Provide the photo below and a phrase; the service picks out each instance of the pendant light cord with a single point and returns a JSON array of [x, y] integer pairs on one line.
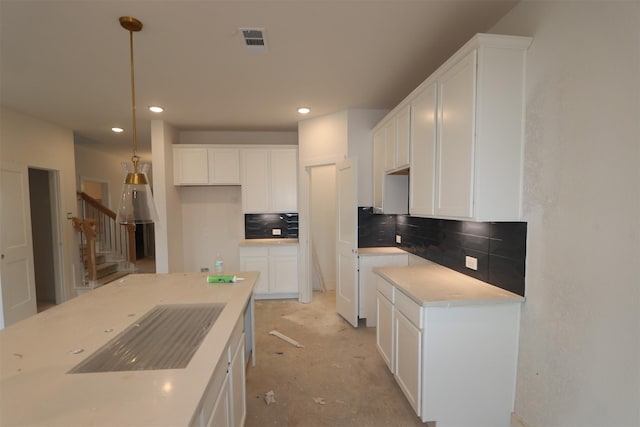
[[135, 157]]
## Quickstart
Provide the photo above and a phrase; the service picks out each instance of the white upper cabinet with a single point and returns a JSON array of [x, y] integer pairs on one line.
[[456, 134], [224, 166], [378, 167], [397, 141], [284, 183], [423, 152], [205, 165], [467, 164], [403, 137], [269, 180], [190, 166]]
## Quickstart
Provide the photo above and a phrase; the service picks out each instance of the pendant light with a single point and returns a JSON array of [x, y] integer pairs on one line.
[[136, 203]]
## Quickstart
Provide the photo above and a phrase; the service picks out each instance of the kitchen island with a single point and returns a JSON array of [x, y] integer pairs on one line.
[[37, 354]]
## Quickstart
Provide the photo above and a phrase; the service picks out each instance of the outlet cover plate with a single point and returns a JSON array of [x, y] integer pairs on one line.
[[276, 232], [471, 262], [398, 238]]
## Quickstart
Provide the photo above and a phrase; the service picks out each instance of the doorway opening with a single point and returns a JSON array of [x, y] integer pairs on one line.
[[44, 199], [322, 224]]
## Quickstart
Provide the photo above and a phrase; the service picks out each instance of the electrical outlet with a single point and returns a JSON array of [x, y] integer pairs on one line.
[[204, 269], [398, 238], [276, 232], [471, 262]]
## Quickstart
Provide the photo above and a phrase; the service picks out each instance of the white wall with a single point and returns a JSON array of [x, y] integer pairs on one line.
[[103, 167], [580, 334], [212, 223], [328, 140], [168, 229], [321, 141], [232, 137], [35, 143]]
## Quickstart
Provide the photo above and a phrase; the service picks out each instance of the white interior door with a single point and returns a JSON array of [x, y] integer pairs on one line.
[[16, 264], [347, 241]]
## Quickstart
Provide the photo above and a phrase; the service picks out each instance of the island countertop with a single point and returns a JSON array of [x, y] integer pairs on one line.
[[435, 285], [37, 353]]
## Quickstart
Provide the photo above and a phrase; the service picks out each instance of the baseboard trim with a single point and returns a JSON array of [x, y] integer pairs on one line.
[[517, 421]]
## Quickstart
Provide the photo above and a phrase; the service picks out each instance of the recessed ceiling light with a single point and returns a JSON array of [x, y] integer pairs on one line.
[[304, 110], [117, 130], [156, 109]]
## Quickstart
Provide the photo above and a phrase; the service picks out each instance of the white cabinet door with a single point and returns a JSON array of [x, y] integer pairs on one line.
[[237, 388], [256, 259], [384, 329], [255, 181], [423, 152], [220, 417], [284, 182], [403, 137], [390, 145], [224, 166], [269, 180], [456, 139], [283, 267], [378, 168], [278, 267], [408, 359], [190, 166]]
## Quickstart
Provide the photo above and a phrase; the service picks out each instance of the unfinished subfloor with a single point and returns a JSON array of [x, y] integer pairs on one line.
[[337, 379]]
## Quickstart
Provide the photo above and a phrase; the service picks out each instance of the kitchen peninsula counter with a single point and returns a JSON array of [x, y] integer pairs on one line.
[[435, 285], [37, 354]]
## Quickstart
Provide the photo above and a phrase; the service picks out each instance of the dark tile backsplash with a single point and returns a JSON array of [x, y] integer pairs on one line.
[[500, 247], [375, 230], [260, 226]]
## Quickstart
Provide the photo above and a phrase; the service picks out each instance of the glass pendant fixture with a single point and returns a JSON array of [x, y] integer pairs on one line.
[[136, 203]]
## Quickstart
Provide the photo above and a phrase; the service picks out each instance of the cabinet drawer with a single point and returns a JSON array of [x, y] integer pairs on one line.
[[386, 289], [411, 310], [284, 250], [254, 251]]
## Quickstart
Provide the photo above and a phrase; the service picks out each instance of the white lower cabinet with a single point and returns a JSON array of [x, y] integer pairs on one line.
[[455, 363], [278, 267], [408, 356], [220, 415], [237, 386], [224, 402], [384, 330]]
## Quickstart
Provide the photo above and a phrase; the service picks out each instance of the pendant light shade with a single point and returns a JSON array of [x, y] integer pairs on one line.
[[136, 203]]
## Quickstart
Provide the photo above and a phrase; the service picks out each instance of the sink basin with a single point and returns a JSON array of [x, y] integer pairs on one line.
[[166, 337]]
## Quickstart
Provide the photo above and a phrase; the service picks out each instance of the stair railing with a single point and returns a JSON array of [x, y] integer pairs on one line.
[[87, 230], [118, 239]]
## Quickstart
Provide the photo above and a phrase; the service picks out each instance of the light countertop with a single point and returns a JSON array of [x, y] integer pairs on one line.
[[268, 242], [436, 285], [391, 250], [37, 353]]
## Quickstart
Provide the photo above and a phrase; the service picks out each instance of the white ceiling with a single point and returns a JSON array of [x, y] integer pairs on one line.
[[67, 62]]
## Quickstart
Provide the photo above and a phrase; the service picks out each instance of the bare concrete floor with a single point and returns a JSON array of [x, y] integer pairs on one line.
[[339, 365]]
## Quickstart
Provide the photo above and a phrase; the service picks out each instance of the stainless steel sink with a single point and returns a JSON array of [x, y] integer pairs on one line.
[[166, 337]]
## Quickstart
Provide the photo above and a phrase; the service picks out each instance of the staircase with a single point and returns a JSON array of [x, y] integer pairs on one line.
[[107, 249]]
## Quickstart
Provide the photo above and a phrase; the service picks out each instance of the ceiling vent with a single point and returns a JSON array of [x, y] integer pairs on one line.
[[254, 39]]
